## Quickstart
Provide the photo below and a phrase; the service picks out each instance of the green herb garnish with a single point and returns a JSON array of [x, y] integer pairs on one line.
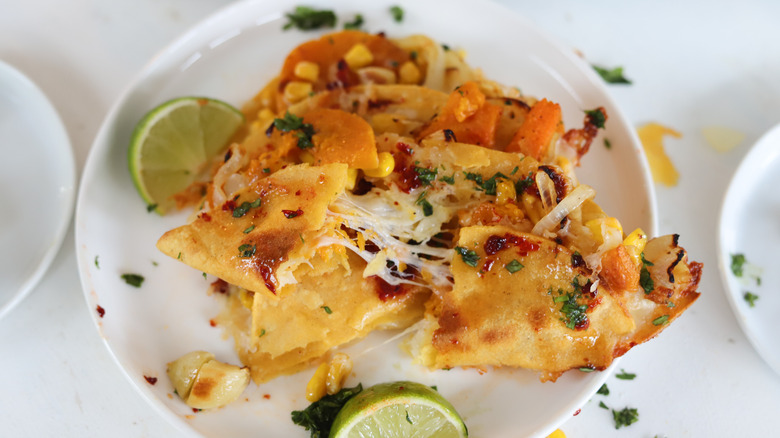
[[661, 320], [249, 229], [292, 123], [574, 313], [397, 13], [408, 420], [523, 184], [623, 375], [469, 256], [246, 250], [602, 405], [604, 390], [426, 206], [319, 416], [448, 179], [355, 24], [150, 208], [134, 280], [626, 417], [597, 117], [326, 309], [425, 175], [750, 298], [587, 369], [514, 266], [97, 265], [612, 76], [306, 18], [607, 143], [244, 208], [738, 264], [645, 279]]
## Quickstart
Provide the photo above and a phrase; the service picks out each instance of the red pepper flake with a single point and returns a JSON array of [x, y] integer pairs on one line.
[[205, 216], [405, 148], [387, 291], [220, 286], [196, 410], [496, 243], [100, 311], [151, 380], [229, 205], [577, 412], [212, 323], [289, 214], [297, 193], [267, 396]]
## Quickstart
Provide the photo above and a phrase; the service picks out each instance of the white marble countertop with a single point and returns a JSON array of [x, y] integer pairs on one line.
[[693, 64]]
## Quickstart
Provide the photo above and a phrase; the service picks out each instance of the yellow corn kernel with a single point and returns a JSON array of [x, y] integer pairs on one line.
[[385, 168], [296, 91], [306, 157], [505, 191], [307, 70], [409, 73], [246, 298], [636, 240], [358, 56], [351, 177], [317, 386], [339, 369], [533, 207], [265, 114], [401, 266], [602, 226], [462, 54], [557, 434]]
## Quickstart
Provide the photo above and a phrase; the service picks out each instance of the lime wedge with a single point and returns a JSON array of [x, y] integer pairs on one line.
[[172, 144], [398, 409]]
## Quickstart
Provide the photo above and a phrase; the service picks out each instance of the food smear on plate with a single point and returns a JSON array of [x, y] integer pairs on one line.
[[382, 183], [722, 138], [651, 135]]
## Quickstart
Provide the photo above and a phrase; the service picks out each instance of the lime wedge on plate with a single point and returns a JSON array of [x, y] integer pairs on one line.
[[398, 409], [172, 144]]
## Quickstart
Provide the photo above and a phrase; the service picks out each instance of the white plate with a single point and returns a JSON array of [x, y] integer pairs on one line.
[[230, 56], [750, 225], [37, 185]]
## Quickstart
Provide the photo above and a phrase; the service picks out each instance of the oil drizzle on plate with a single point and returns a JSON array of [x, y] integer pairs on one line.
[[661, 166]]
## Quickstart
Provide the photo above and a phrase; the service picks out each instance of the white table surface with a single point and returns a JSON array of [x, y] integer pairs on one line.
[[694, 64]]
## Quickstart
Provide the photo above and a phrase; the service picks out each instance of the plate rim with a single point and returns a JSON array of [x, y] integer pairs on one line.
[[218, 15], [12, 76]]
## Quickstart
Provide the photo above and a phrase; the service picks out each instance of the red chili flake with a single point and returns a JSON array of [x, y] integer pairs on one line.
[[405, 148], [387, 291], [196, 410], [267, 272], [151, 380], [205, 216], [220, 286], [577, 412], [297, 193], [229, 205], [289, 214], [496, 243], [488, 265], [100, 311], [212, 323], [267, 396]]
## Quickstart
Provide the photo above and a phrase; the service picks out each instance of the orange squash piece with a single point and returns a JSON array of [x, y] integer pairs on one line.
[[342, 137], [542, 124], [470, 118]]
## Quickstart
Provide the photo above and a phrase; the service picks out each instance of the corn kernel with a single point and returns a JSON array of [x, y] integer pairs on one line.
[[358, 56], [603, 226], [306, 157], [296, 91], [505, 192], [317, 386], [265, 114], [385, 168], [307, 70], [246, 298], [339, 369], [557, 434], [533, 207], [462, 54], [351, 178], [636, 240], [409, 73]]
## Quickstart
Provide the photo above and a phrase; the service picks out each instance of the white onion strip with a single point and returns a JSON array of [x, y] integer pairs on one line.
[[573, 200]]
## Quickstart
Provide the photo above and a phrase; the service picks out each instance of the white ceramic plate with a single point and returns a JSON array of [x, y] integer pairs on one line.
[[230, 56], [750, 225], [37, 185]]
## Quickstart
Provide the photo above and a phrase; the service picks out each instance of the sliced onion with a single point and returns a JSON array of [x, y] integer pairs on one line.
[[229, 168], [573, 200], [547, 191]]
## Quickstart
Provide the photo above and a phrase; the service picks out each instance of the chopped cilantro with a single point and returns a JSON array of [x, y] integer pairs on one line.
[[246, 250], [514, 266], [266, 170], [750, 298], [326, 309], [154, 263], [150, 208], [408, 420], [602, 405], [625, 417], [205, 276], [398, 13], [178, 257], [661, 320], [306, 18], [292, 123], [448, 179], [469, 256], [426, 206], [623, 375], [587, 369], [738, 264], [597, 117], [413, 55], [426, 176], [445, 47], [301, 236], [134, 280], [262, 333], [604, 390], [249, 229], [514, 171], [488, 186], [355, 24], [574, 313], [523, 184], [244, 208], [607, 143], [612, 76], [319, 416], [645, 279], [97, 265]]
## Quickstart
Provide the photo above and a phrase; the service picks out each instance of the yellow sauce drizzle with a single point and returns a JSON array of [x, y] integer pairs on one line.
[[721, 138], [661, 166]]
